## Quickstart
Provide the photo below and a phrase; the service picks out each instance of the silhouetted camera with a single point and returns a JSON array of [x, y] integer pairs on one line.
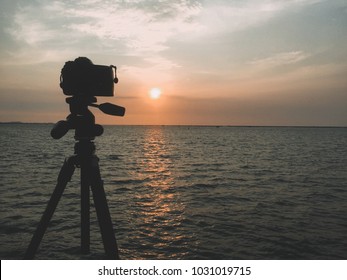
[[82, 78]]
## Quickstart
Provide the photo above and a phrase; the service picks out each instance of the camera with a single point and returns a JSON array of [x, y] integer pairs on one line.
[[82, 78]]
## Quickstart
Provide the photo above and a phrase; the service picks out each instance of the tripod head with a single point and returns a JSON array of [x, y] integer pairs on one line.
[[82, 119], [82, 80]]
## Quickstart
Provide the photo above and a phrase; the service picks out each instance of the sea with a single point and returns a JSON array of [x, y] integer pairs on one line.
[[183, 192]]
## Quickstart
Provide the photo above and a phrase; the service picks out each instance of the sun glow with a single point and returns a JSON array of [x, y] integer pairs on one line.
[[155, 93]]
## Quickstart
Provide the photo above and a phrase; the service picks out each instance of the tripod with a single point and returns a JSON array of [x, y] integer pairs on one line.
[[83, 121]]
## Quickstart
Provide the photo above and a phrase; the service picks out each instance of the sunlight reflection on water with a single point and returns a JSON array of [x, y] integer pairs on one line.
[[159, 210]]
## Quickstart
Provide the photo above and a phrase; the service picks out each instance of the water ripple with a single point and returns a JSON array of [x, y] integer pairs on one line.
[[184, 192]]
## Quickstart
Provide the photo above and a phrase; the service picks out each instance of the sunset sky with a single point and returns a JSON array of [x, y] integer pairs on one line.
[[216, 62]]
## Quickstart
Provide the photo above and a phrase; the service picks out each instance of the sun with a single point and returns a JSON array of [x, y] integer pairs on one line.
[[154, 93]]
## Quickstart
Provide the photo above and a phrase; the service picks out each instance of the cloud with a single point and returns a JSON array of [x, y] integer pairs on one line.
[[234, 16], [52, 31], [136, 27], [139, 25], [49, 31], [140, 29], [280, 59]]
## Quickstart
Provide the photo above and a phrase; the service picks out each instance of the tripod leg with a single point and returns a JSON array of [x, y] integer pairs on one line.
[[85, 210], [64, 177], [102, 211]]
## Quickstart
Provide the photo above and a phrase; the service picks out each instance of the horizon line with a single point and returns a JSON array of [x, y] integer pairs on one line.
[[193, 125]]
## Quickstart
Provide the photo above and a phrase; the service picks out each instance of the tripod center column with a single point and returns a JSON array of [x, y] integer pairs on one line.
[[85, 149]]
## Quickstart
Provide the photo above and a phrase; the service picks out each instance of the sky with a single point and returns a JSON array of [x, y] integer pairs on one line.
[[216, 62]]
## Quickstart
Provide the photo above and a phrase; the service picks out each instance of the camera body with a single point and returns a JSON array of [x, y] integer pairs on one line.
[[82, 78]]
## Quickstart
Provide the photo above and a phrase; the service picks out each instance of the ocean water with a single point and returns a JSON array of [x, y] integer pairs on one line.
[[184, 192]]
